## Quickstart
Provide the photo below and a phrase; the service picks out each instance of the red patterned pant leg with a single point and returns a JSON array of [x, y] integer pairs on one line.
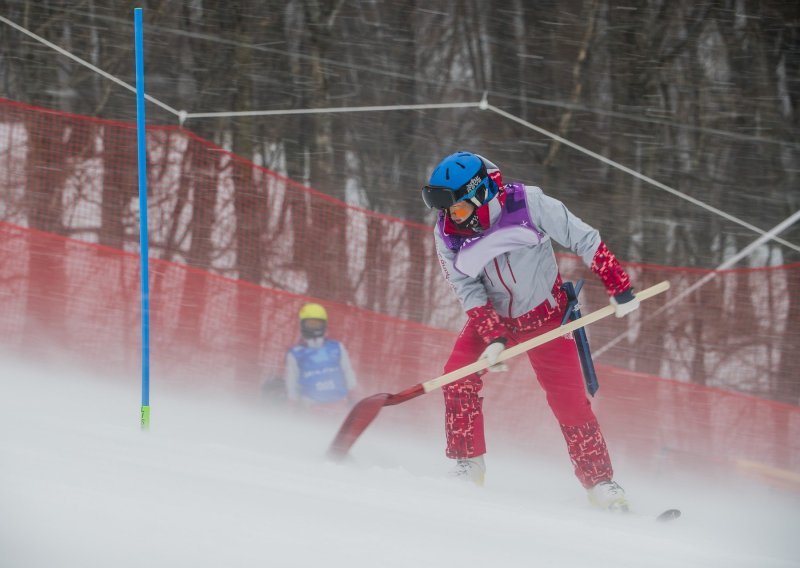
[[588, 452], [558, 370], [462, 400]]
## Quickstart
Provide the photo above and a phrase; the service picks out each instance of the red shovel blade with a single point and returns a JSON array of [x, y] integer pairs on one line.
[[361, 416]]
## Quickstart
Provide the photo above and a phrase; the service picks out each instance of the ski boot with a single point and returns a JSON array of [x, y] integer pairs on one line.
[[469, 469], [610, 496]]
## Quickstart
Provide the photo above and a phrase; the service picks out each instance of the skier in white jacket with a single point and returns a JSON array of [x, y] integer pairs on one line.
[[494, 246]]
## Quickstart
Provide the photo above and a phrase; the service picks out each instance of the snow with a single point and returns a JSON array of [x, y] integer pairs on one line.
[[223, 481]]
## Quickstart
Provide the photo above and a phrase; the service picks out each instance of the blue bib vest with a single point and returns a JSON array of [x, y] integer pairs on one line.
[[321, 376]]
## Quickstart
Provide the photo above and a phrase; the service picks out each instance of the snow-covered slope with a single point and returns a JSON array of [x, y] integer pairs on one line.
[[221, 482]]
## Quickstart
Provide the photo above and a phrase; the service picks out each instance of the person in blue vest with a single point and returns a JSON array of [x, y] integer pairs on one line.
[[318, 369]]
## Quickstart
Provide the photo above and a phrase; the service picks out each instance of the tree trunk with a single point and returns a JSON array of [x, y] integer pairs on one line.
[[46, 170], [201, 173], [248, 204]]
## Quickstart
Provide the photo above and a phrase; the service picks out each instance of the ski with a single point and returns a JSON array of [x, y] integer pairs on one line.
[[668, 515], [663, 517]]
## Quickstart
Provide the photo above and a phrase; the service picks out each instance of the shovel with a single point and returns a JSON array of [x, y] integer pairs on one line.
[[365, 411]]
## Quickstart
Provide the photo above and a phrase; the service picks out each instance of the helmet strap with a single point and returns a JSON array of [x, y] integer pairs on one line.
[[482, 194]]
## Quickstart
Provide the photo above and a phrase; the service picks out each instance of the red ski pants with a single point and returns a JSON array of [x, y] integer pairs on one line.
[[559, 373]]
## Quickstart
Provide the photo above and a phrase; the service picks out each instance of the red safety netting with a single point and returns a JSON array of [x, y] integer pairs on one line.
[[211, 209], [238, 248], [61, 298]]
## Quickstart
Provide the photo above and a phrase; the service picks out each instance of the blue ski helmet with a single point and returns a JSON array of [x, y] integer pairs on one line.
[[462, 176]]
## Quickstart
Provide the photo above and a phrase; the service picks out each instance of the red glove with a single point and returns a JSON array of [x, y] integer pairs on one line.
[[608, 268]]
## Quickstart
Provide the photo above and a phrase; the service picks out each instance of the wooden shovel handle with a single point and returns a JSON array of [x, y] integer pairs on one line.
[[481, 364]]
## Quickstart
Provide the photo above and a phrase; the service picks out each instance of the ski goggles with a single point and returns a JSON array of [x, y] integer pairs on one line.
[[310, 328], [438, 197]]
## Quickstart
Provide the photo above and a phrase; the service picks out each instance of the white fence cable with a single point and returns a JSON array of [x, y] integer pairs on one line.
[[331, 110], [85, 63], [644, 178]]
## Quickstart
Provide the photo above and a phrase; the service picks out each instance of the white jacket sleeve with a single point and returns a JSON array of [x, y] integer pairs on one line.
[[568, 230], [469, 291], [292, 377]]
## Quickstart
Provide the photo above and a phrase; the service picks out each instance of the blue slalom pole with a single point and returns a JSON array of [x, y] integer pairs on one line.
[[141, 144]]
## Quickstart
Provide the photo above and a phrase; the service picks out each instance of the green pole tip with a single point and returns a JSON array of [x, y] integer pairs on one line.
[[145, 418]]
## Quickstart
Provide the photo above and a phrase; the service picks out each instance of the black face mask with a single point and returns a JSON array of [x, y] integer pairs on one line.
[[472, 222], [313, 328]]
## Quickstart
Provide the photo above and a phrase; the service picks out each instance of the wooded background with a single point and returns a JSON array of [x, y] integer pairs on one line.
[[701, 96]]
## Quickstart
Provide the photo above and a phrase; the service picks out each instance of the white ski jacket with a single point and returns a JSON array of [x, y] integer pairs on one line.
[[512, 264]]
